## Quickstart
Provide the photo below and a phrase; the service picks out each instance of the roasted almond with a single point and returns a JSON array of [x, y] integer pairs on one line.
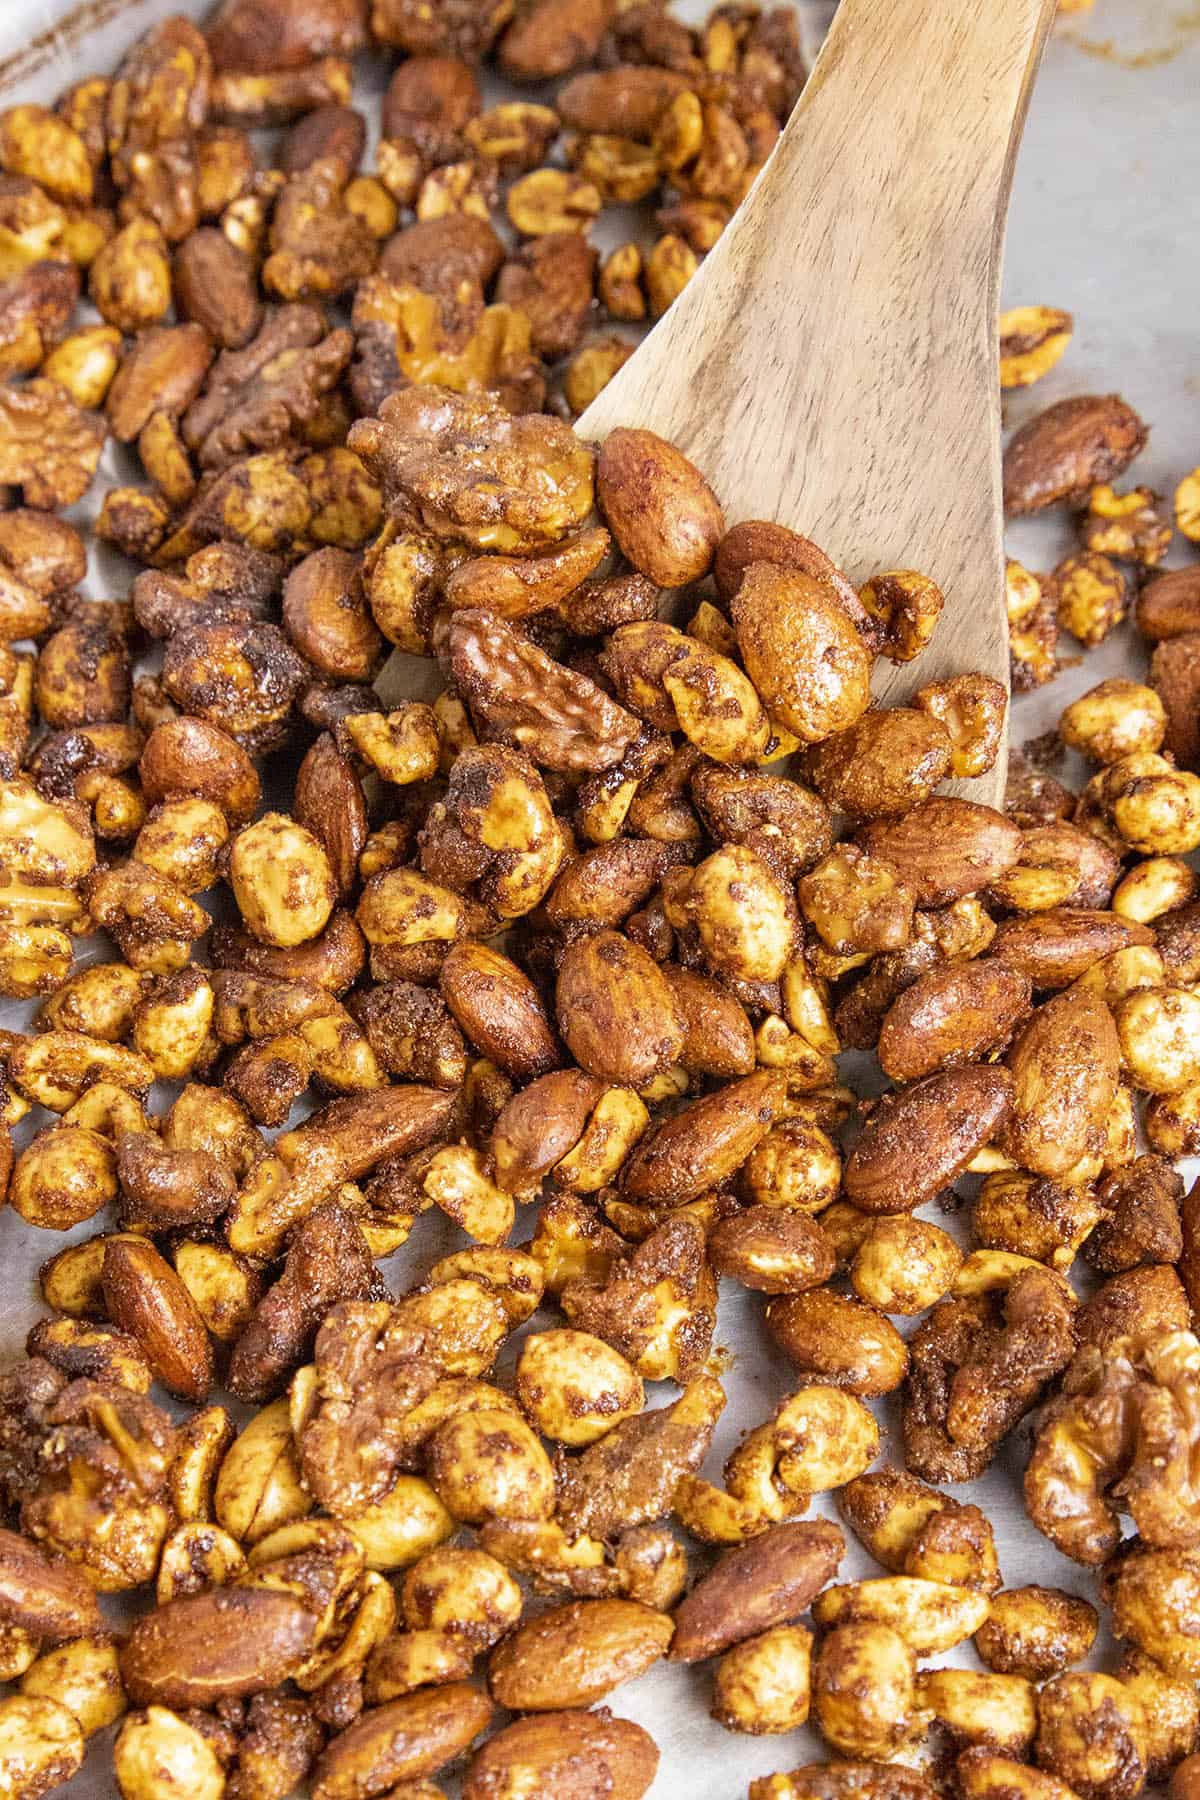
[[223, 1644], [769, 1581], [831, 1338], [946, 848], [500, 1010], [917, 1140], [885, 764], [705, 1143], [329, 802], [718, 1038], [145, 1297], [576, 1654], [1169, 605], [48, 1599], [952, 1014], [215, 286], [1066, 1066], [404, 1740], [604, 885], [570, 1755], [616, 1010], [665, 517], [760, 540], [540, 1124], [773, 1249], [1069, 448], [1055, 948], [801, 650], [1175, 678]]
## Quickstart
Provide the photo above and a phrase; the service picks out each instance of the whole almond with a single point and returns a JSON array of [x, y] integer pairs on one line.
[[627, 100], [1169, 605], [1175, 678], [329, 802], [215, 286], [570, 1755], [163, 372], [604, 885], [952, 1014], [666, 519], [760, 540], [1066, 1066], [705, 1143], [1054, 948], [403, 1740], [833, 1339], [500, 1010], [945, 848], [802, 651], [887, 763], [1068, 448], [616, 1011], [718, 1038], [541, 1122], [773, 1249], [145, 1297], [917, 1140], [575, 1654], [223, 1644], [769, 1581], [48, 1599]]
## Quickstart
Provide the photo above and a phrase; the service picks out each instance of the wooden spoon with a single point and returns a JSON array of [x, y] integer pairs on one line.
[[834, 363]]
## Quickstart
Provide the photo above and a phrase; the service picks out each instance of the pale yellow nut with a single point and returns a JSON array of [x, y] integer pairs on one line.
[[864, 1692], [574, 1387], [408, 1523], [159, 1756], [1154, 887], [490, 1465], [929, 1615], [85, 363], [904, 1265], [258, 1486], [282, 881], [464, 1591], [997, 1710], [1159, 1032], [762, 1685]]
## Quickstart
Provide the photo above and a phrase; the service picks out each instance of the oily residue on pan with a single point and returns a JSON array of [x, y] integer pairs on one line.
[[1184, 27]]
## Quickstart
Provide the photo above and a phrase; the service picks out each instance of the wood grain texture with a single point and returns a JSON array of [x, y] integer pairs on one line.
[[834, 363]]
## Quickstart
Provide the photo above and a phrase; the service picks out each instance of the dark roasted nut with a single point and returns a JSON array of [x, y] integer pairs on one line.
[[767, 1582], [1063, 452], [144, 1296], [546, 1752], [266, 394], [840, 1341], [49, 446], [801, 650], [519, 695], [215, 287]]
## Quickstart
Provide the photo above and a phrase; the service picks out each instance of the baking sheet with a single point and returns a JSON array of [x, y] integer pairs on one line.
[[1104, 222]]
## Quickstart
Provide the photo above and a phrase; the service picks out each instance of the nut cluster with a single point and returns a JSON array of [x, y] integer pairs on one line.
[[570, 936]]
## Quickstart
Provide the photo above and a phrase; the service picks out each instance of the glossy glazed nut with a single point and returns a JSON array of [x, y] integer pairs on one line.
[[838, 1340], [576, 1654], [1065, 1066], [762, 1685], [574, 1387], [770, 1581], [886, 763], [1092, 1735], [403, 1741], [1065, 450], [463, 1591], [951, 1014], [705, 1143], [225, 1643], [904, 1265], [946, 848], [82, 1675], [997, 1710], [563, 1754], [282, 881], [490, 1465], [62, 1177], [941, 1123], [47, 1598], [499, 1009], [771, 1249], [1117, 718], [930, 1616], [186, 758], [802, 652], [660, 509], [616, 1011], [1036, 1632], [158, 1753], [864, 1691], [41, 1745], [145, 1297]]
